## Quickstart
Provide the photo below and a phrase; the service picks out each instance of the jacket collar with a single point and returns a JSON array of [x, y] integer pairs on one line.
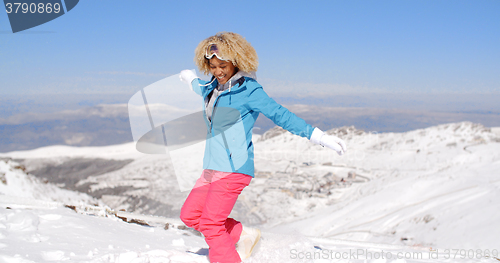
[[238, 78]]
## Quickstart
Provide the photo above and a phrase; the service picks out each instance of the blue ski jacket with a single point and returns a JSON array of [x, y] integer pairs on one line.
[[229, 146]]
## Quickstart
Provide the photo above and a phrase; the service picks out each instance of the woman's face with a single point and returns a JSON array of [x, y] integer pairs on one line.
[[222, 70]]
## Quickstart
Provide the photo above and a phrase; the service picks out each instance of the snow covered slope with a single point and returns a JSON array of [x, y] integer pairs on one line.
[[37, 225], [61, 235], [17, 188], [435, 187]]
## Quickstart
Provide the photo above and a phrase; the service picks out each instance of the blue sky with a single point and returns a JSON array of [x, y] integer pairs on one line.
[[120, 46]]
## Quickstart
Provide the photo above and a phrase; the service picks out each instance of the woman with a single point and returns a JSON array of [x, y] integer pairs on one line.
[[232, 102]]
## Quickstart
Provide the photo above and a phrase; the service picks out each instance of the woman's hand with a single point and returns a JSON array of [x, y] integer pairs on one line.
[[187, 76], [330, 141]]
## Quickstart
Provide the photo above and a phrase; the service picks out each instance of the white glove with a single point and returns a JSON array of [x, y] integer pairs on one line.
[[188, 76], [330, 141]]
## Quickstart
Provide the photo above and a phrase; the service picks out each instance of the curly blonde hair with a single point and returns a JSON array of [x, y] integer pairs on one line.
[[232, 47]]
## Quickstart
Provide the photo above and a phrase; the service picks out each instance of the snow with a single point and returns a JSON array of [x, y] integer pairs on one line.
[[115, 152], [441, 196], [19, 188], [60, 234], [429, 195]]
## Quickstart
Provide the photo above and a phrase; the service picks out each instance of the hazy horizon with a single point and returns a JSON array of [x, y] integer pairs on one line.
[[11, 104], [28, 122]]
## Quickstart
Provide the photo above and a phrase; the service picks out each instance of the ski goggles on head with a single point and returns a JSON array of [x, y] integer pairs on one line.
[[211, 51]]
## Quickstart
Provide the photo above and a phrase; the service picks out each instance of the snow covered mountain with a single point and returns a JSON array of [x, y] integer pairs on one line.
[[435, 187], [49, 123], [19, 188]]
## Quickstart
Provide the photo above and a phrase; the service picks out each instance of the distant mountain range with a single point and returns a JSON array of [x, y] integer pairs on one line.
[[108, 124]]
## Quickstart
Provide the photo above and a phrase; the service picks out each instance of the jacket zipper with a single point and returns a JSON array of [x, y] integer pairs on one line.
[[222, 132], [215, 107]]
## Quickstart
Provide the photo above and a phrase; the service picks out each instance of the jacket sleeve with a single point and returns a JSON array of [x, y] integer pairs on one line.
[[259, 101], [198, 86]]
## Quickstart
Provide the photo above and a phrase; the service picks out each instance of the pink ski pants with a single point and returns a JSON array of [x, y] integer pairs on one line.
[[207, 208]]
